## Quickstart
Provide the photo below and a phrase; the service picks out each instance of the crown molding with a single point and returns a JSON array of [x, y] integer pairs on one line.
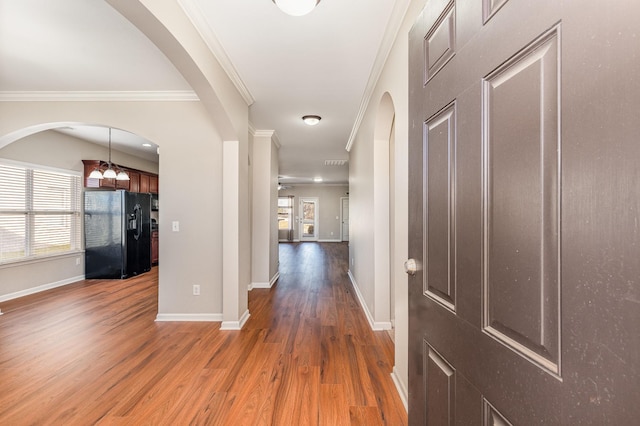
[[264, 133], [271, 134], [276, 140], [391, 33], [98, 96], [197, 18]]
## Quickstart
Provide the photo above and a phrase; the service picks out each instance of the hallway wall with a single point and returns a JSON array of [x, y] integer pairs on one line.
[[394, 81]]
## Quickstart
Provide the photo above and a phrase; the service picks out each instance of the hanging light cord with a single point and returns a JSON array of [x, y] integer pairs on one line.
[[109, 147]]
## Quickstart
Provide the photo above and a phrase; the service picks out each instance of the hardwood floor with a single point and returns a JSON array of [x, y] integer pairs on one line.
[[91, 353]]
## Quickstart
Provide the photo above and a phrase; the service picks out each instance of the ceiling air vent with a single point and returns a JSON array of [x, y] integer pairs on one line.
[[335, 162]]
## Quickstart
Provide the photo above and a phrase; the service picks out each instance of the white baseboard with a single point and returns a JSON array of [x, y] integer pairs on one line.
[[401, 387], [236, 325], [40, 288], [189, 317], [330, 241], [375, 325], [265, 284], [274, 279]]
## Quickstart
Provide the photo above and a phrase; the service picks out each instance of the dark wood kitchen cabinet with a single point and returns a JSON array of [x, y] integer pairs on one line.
[[153, 184], [144, 182], [154, 247], [134, 181]]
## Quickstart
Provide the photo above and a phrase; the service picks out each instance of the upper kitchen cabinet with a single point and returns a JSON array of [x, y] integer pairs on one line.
[[134, 181], [153, 184], [139, 181], [144, 182]]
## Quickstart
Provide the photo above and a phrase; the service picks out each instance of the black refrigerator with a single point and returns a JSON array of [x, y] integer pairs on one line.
[[117, 232]]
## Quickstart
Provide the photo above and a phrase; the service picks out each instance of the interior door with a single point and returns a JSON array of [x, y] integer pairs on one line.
[[308, 219], [345, 218], [524, 212]]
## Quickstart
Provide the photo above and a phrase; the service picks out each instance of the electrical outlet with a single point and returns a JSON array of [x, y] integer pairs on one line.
[[196, 290], [77, 261], [331, 232], [352, 260], [175, 226]]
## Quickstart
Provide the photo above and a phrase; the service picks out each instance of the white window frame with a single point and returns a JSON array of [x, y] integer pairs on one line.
[[74, 212]]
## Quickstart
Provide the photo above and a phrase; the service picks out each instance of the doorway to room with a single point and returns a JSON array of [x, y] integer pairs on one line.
[[309, 219], [344, 219]]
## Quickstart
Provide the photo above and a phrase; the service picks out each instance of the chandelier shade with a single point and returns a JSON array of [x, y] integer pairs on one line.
[[110, 172], [296, 7]]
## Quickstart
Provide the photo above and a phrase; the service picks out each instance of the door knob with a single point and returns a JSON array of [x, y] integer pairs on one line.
[[411, 266]]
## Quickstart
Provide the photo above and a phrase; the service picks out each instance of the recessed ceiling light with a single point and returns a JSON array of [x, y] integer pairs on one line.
[[317, 179], [147, 145], [311, 120]]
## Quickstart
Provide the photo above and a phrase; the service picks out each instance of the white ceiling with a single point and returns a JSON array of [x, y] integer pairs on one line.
[[320, 64]]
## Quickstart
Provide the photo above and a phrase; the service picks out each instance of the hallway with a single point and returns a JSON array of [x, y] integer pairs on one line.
[[91, 353]]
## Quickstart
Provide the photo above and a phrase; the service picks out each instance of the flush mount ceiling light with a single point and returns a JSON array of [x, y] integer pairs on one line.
[[311, 120], [296, 7], [317, 179]]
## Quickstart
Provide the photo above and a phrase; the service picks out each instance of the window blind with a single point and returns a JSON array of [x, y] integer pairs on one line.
[[40, 212]]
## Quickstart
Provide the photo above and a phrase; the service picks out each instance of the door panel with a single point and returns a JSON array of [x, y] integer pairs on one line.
[[521, 196], [308, 219], [344, 212], [440, 148], [523, 213]]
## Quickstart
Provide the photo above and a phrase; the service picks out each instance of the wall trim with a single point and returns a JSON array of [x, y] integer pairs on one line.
[[40, 288], [391, 33], [274, 279], [375, 325], [266, 285], [401, 388], [330, 241], [236, 325], [189, 317], [97, 96]]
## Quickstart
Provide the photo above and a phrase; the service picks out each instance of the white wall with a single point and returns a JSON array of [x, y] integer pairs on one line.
[[361, 218], [264, 269], [191, 134], [394, 81], [274, 256], [191, 185], [329, 208], [53, 149]]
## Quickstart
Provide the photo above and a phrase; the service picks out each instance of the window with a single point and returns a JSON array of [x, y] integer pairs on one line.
[[285, 213], [39, 211]]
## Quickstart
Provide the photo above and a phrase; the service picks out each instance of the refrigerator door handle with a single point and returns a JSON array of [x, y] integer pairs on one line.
[[138, 214]]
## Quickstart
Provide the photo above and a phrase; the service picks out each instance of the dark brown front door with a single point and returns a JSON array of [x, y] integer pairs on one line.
[[524, 213]]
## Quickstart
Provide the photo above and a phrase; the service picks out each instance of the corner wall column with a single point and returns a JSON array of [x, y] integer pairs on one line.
[[235, 233], [264, 270]]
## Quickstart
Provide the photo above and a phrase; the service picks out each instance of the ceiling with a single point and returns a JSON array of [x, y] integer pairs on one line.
[[322, 63]]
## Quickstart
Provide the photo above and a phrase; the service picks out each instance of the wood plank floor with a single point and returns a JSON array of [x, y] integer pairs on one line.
[[90, 353]]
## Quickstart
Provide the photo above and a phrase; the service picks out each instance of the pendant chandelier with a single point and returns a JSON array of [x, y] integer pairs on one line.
[[110, 172]]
